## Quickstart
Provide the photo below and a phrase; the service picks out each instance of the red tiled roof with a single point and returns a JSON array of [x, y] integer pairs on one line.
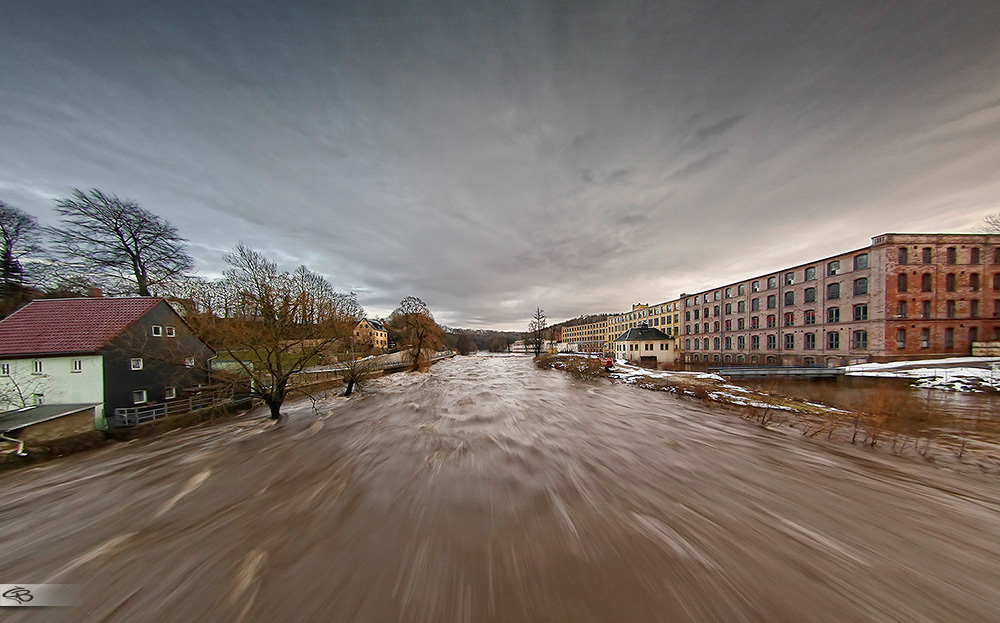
[[69, 325]]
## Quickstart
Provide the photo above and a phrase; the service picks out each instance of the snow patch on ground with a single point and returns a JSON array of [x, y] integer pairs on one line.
[[946, 374]]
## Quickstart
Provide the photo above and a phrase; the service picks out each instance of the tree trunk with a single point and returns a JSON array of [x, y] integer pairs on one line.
[[350, 388], [275, 408]]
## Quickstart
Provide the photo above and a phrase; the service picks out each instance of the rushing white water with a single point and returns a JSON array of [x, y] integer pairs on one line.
[[489, 490]]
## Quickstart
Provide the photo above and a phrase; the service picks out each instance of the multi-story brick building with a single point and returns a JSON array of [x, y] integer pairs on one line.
[[904, 296]]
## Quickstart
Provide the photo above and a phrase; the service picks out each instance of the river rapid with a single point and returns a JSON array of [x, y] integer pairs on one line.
[[489, 490]]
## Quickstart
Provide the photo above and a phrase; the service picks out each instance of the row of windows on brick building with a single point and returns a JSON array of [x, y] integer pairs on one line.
[[859, 340], [950, 255]]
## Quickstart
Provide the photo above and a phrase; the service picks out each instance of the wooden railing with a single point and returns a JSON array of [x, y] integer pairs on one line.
[[133, 416]]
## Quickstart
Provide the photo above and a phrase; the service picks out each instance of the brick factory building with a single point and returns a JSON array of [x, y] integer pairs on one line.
[[906, 296]]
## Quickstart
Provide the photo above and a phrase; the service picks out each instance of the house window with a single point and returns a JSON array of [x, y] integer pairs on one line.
[[833, 340], [810, 341], [755, 286], [949, 282], [925, 309], [740, 324], [789, 319], [705, 344], [973, 335], [860, 340], [171, 332], [729, 293], [925, 282], [189, 362], [949, 338], [901, 283], [973, 309], [833, 268], [860, 286], [772, 341], [810, 273], [137, 363], [729, 343], [974, 282], [37, 369], [138, 396], [741, 289], [687, 344], [39, 399], [157, 330], [949, 309], [996, 255], [741, 307], [169, 393], [729, 308], [755, 322], [810, 316], [925, 338], [5, 369], [755, 342], [789, 341], [926, 255], [754, 304], [729, 325], [861, 261], [78, 365], [741, 342], [789, 298], [974, 255], [904, 255], [809, 296], [772, 283], [951, 256], [900, 339], [772, 321], [716, 343], [901, 309], [833, 291], [861, 312], [772, 301], [996, 280], [789, 279], [833, 314]]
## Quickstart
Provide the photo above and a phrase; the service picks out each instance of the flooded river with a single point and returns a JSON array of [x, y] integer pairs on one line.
[[488, 490]]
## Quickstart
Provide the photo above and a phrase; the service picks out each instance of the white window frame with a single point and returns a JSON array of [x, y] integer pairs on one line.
[[156, 330], [136, 363], [169, 393], [189, 362], [140, 393], [171, 331], [4, 369], [38, 367], [77, 366]]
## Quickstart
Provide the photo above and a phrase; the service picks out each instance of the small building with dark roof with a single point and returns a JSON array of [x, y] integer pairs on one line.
[[645, 344], [115, 353], [371, 333]]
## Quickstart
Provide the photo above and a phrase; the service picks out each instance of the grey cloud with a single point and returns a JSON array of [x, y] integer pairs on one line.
[[491, 157]]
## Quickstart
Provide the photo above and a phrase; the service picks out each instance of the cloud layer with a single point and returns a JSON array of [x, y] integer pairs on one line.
[[493, 158]]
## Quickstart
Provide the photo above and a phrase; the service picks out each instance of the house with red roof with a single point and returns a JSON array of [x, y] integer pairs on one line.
[[116, 353]]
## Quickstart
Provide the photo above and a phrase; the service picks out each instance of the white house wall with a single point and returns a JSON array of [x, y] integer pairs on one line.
[[57, 382]]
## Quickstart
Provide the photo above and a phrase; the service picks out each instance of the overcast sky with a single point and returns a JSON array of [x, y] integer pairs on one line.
[[575, 156]]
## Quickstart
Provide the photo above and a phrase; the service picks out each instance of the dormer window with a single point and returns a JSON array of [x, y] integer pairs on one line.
[[156, 330], [171, 332], [137, 363]]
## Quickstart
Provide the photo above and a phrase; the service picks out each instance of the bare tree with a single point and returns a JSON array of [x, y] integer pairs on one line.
[[414, 327], [272, 329], [20, 237], [117, 243], [535, 337], [991, 224]]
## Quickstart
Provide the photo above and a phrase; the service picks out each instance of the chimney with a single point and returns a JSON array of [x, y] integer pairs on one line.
[[94, 293]]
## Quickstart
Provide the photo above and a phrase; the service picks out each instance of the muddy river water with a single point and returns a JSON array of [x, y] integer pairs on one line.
[[488, 490]]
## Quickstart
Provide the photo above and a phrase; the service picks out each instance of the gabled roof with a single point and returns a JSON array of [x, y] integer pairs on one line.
[[83, 325], [642, 334], [375, 324]]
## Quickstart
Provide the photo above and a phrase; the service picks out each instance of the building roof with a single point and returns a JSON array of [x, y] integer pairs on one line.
[[642, 333], [83, 325], [375, 324], [29, 416]]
